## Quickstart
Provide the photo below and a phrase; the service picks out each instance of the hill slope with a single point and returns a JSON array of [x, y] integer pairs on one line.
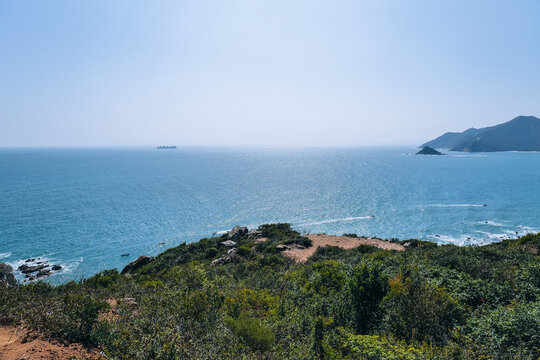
[[240, 296], [519, 134]]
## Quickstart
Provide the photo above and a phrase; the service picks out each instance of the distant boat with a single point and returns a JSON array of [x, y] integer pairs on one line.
[[166, 147]]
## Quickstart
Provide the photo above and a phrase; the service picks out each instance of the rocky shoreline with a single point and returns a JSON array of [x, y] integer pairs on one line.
[[32, 269]]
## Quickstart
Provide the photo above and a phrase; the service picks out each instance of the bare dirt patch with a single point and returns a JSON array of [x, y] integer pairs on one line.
[[345, 242], [20, 343]]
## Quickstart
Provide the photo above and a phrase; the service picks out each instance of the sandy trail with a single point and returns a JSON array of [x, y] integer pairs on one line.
[[18, 344], [344, 242]]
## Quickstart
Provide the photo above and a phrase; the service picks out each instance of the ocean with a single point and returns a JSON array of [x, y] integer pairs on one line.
[[84, 208]]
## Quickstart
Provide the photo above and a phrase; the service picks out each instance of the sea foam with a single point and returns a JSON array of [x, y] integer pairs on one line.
[[330, 221]]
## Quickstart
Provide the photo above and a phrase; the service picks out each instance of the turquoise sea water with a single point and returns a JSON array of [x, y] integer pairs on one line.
[[83, 208]]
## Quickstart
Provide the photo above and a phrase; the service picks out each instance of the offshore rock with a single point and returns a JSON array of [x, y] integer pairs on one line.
[[428, 151], [44, 272], [25, 269]]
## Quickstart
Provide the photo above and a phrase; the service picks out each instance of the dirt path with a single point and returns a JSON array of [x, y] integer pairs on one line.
[[344, 242], [19, 344]]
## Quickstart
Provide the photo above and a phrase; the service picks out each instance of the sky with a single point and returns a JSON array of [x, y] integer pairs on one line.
[[262, 73]]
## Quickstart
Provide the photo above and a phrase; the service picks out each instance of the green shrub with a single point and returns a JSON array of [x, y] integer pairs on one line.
[[255, 334], [243, 250], [367, 288], [301, 240], [255, 302], [211, 253], [325, 277], [512, 331], [372, 347], [418, 310]]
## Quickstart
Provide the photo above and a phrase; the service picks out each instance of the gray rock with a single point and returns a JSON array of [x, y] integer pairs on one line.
[[25, 269], [255, 234], [221, 260], [137, 264], [281, 247], [237, 233], [231, 251], [56, 267], [228, 243], [7, 278], [44, 272]]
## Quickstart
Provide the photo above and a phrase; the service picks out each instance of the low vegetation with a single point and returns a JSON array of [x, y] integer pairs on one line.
[[428, 302]]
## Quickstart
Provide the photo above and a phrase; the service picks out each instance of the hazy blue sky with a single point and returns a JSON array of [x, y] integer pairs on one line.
[[262, 72]]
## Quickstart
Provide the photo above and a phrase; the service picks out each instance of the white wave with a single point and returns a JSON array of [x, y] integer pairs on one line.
[[67, 268], [456, 205], [494, 236], [490, 223], [528, 229], [330, 221], [460, 240], [5, 255]]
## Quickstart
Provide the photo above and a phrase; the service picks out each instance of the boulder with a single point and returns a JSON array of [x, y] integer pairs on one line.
[[281, 247], [7, 278], [137, 264], [44, 272], [237, 233], [255, 234], [25, 269], [221, 260], [228, 243], [56, 267]]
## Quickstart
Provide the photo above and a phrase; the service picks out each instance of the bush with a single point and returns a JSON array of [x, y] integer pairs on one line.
[[255, 334], [255, 302], [511, 331], [418, 310], [211, 253], [325, 277], [301, 240], [371, 347], [243, 250], [76, 319], [367, 288]]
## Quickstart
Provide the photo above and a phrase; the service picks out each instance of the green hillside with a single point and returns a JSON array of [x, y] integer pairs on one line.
[[519, 134], [204, 301]]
